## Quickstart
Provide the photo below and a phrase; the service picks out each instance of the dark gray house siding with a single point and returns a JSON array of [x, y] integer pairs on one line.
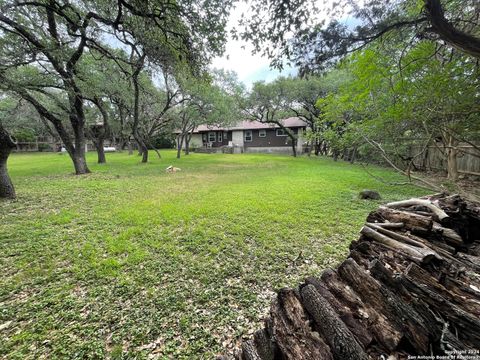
[[271, 139], [226, 136]]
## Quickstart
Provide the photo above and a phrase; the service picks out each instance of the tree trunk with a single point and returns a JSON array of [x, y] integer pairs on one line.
[[324, 150], [99, 133], [142, 148], [145, 155], [335, 155], [78, 155], [99, 146], [179, 145], [136, 110], [452, 164], [130, 148], [451, 154], [187, 146], [353, 155], [188, 137], [317, 147], [77, 152], [80, 163], [121, 145], [7, 191], [425, 159], [294, 145]]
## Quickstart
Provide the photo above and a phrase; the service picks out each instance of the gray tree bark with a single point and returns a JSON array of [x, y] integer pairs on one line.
[[7, 144]]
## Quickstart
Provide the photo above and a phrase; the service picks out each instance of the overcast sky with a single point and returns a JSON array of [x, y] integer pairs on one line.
[[238, 57], [250, 68]]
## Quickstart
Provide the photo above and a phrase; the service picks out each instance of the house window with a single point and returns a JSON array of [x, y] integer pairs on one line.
[[220, 137], [248, 135], [212, 136], [204, 137], [262, 133], [281, 132]]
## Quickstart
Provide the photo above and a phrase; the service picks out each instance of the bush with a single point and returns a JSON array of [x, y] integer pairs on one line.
[[24, 135], [44, 147], [164, 142]]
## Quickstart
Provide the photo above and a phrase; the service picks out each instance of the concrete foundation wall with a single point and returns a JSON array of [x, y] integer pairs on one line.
[[273, 149], [195, 141]]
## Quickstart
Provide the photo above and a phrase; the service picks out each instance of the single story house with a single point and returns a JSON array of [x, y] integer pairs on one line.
[[249, 136]]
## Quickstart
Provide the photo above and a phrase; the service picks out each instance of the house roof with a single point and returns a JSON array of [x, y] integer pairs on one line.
[[252, 125]]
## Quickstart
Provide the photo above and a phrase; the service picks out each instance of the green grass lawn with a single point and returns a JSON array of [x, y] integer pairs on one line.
[[131, 262]]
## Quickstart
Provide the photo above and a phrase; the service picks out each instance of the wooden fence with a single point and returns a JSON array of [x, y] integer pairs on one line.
[[433, 159]]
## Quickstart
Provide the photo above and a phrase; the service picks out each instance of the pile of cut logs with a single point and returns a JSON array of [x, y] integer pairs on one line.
[[410, 286]]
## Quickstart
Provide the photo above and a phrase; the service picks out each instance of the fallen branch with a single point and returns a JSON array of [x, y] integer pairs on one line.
[[419, 254]]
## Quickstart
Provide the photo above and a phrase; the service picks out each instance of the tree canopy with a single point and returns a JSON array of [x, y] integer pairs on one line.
[[311, 35]]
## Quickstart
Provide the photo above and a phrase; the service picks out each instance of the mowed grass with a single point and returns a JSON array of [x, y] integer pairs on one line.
[[130, 262]]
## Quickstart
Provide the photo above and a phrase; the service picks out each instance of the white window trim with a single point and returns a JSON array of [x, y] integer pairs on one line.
[[220, 136], [285, 133], [264, 132], [251, 135], [214, 134]]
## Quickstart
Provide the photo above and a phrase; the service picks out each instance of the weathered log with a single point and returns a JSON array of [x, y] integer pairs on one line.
[[292, 331], [439, 213], [249, 351], [264, 345], [474, 249], [449, 203], [349, 316], [396, 236], [468, 324], [367, 313], [389, 225], [470, 260], [412, 222], [422, 277], [382, 274], [378, 296], [449, 235], [418, 254], [335, 332]]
